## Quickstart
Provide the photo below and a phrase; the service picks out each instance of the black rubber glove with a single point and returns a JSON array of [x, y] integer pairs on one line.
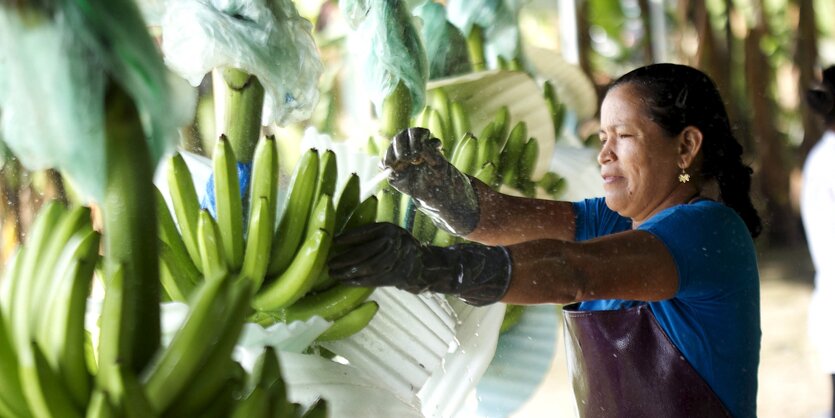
[[439, 189], [384, 254]]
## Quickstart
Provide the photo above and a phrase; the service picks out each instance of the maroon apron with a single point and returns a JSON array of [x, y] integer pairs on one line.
[[623, 365]]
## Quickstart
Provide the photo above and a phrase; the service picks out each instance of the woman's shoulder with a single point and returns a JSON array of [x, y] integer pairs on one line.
[[705, 210], [710, 224]]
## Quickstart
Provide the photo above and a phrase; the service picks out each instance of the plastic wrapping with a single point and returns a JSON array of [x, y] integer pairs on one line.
[[53, 69], [266, 38], [445, 45], [390, 47], [497, 17], [355, 11]]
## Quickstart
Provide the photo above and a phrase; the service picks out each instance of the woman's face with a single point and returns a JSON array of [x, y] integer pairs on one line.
[[638, 160]]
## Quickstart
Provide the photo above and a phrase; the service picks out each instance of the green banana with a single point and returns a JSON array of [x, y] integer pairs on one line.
[[186, 206], [323, 216], [258, 243], [218, 366], [555, 108], [170, 236], [350, 323], [465, 154], [439, 100], [72, 221], [10, 278], [512, 316], [444, 239], [386, 207], [265, 179], [552, 183], [330, 304], [422, 118], [100, 405], [326, 181], [66, 322], [11, 394], [22, 311], [298, 277], [423, 229], [43, 387], [509, 159], [228, 203], [368, 211], [487, 173], [527, 162], [130, 397], [211, 245], [501, 120], [436, 124], [266, 374], [487, 145], [256, 405], [460, 120], [291, 226], [349, 199], [176, 366], [177, 279]]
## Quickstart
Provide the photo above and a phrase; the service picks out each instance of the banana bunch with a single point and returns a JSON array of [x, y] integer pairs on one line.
[[43, 300], [50, 366], [283, 257]]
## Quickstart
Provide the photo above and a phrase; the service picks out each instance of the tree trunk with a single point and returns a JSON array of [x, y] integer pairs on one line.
[[806, 59], [780, 223]]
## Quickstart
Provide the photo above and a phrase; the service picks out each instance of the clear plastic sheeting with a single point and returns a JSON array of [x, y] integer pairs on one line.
[[266, 38], [445, 45], [391, 52], [349, 392], [498, 18], [425, 345], [355, 11], [53, 68]]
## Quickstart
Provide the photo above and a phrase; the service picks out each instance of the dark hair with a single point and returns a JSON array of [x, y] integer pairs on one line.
[[678, 96], [821, 98]]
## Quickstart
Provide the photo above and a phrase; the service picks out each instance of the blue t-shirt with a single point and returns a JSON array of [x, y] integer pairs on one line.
[[714, 318]]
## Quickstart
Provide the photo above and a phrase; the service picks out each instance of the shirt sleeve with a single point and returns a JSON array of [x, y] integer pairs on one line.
[[594, 219], [711, 247]]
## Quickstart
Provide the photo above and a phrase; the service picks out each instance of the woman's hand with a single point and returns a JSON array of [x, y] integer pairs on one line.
[[440, 190], [383, 254]]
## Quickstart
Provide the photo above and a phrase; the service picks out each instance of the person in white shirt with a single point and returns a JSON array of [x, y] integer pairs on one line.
[[817, 208]]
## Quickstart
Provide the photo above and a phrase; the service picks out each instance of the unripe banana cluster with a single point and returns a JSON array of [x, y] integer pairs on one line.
[[283, 258], [51, 366]]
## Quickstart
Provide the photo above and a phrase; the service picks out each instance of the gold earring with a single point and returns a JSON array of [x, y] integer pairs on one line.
[[683, 177]]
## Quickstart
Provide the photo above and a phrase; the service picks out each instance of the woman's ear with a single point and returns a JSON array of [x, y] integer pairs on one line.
[[690, 143]]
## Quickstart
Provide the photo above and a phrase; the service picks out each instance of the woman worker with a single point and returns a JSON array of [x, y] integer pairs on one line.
[[661, 274]]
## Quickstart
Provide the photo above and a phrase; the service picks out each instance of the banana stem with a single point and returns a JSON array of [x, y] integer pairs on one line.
[[397, 110], [244, 103], [130, 241], [475, 47]]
